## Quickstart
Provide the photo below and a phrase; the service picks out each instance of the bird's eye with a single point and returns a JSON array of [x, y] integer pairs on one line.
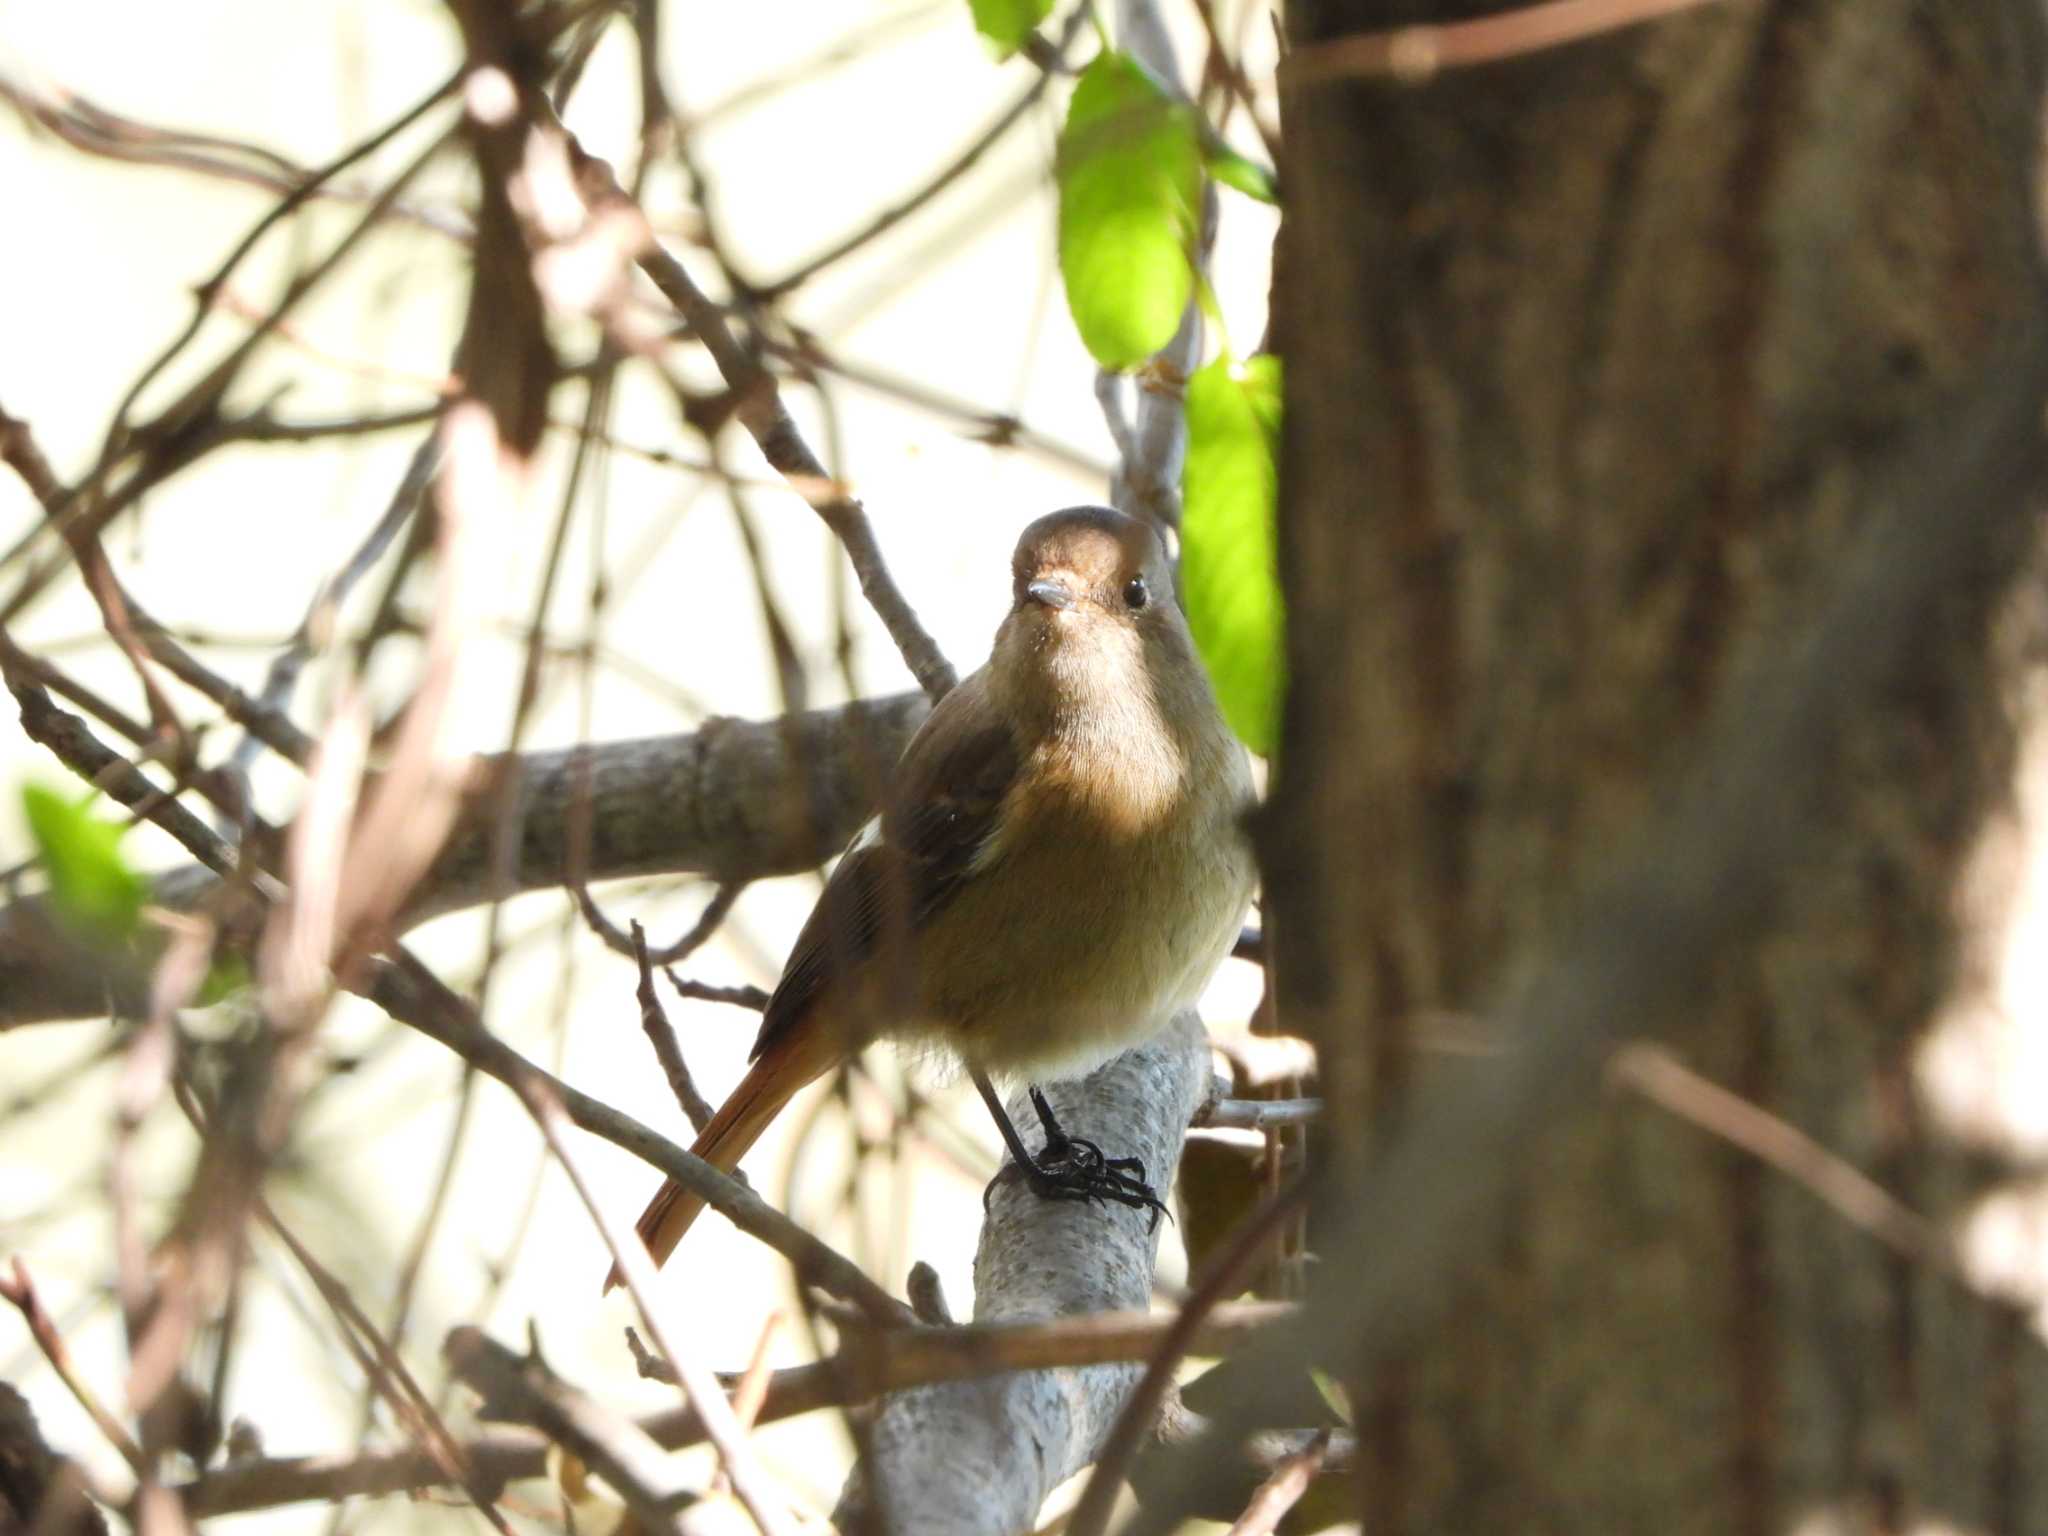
[[1136, 594]]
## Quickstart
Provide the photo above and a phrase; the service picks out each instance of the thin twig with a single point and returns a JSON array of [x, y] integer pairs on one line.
[[1283, 1490], [1256, 1114], [93, 130], [757, 399], [411, 993], [715, 912], [383, 1366], [941, 179], [754, 998], [73, 744], [630, 1259], [21, 1290], [525, 1390], [1417, 54], [662, 1036], [275, 697], [1655, 1073]]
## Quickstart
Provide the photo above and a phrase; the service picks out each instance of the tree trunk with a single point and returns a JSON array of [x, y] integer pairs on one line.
[[1599, 359]]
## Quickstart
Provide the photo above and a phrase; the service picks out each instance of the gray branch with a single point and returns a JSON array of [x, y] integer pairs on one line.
[[977, 1458], [737, 800]]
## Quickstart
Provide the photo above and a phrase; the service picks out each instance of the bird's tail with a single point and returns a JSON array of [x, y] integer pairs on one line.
[[772, 1081]]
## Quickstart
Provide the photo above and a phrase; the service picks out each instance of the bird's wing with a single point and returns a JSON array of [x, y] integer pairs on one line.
[[939, 814]]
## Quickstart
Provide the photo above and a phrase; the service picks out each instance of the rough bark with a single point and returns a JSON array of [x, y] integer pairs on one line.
[[977, 1458], [1599, 359], [737, 800]]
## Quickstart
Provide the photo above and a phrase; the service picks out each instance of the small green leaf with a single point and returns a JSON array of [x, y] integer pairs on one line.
[[1006, 23], [1229, 573], [1333, 1393], [228, 975], [1130, 178], [91, 884], [1242, 172]]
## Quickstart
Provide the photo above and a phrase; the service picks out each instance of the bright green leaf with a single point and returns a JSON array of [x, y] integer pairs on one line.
[[1006, 23], [90, 881], [1130, 178], [1229, 574], [1242, 172]]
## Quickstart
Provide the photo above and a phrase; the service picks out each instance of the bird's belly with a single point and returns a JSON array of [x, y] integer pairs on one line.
[[1086, 976]]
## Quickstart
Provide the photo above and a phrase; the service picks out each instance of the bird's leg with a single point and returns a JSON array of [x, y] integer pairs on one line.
[[1067, 1167]]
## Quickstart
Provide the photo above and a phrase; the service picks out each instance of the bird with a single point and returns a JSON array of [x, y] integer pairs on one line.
[[1058, 867]]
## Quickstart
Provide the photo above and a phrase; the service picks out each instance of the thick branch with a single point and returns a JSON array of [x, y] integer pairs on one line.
[[977, 1458], [737, 800]]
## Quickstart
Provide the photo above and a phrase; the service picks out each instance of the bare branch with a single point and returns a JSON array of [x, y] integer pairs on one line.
[[524, 1390], [757, 399], [21, 1290], [868, 1368], [662, 1036], [1256, 1114], [1283, 1490], [1416, 54], [737, 800], [409, 992], [630, 1260]]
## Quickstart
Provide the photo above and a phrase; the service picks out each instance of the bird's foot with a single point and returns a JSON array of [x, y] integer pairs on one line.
[[1074, 1168]]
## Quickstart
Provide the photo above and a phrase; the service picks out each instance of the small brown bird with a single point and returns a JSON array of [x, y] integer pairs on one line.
[[1057, 869]]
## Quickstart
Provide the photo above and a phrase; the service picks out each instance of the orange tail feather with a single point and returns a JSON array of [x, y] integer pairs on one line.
[[770, 1083]]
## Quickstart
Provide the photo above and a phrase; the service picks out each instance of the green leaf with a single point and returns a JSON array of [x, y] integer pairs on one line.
[[1229, 573], [91, 884], [1242, 172], [1333, 1393], [227, 975], [1130, 178], [1006, 23]]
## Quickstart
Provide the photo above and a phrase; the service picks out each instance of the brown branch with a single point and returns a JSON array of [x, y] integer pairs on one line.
[[72, 742], [1416, 54], [412, 994], [630, 1260], [93, 130], [856, 1375], [662, 1036], [386, 1370], [633, 944], [1283, 1490], [1656, 1074], [704, 992], [21, 1290], [941, 179], [757, 400], [523, 1390], [40, 1491], [999, 429]]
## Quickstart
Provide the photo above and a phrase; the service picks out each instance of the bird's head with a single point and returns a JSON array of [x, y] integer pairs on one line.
[[1092, 607]]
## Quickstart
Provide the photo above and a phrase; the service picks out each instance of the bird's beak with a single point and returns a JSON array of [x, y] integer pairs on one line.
[[1053, 594]]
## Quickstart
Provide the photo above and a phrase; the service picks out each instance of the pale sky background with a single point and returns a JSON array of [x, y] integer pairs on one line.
[[97, 273]]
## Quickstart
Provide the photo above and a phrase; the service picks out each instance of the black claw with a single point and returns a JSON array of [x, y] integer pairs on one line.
[[1068, 1167], [1073, 1168]]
